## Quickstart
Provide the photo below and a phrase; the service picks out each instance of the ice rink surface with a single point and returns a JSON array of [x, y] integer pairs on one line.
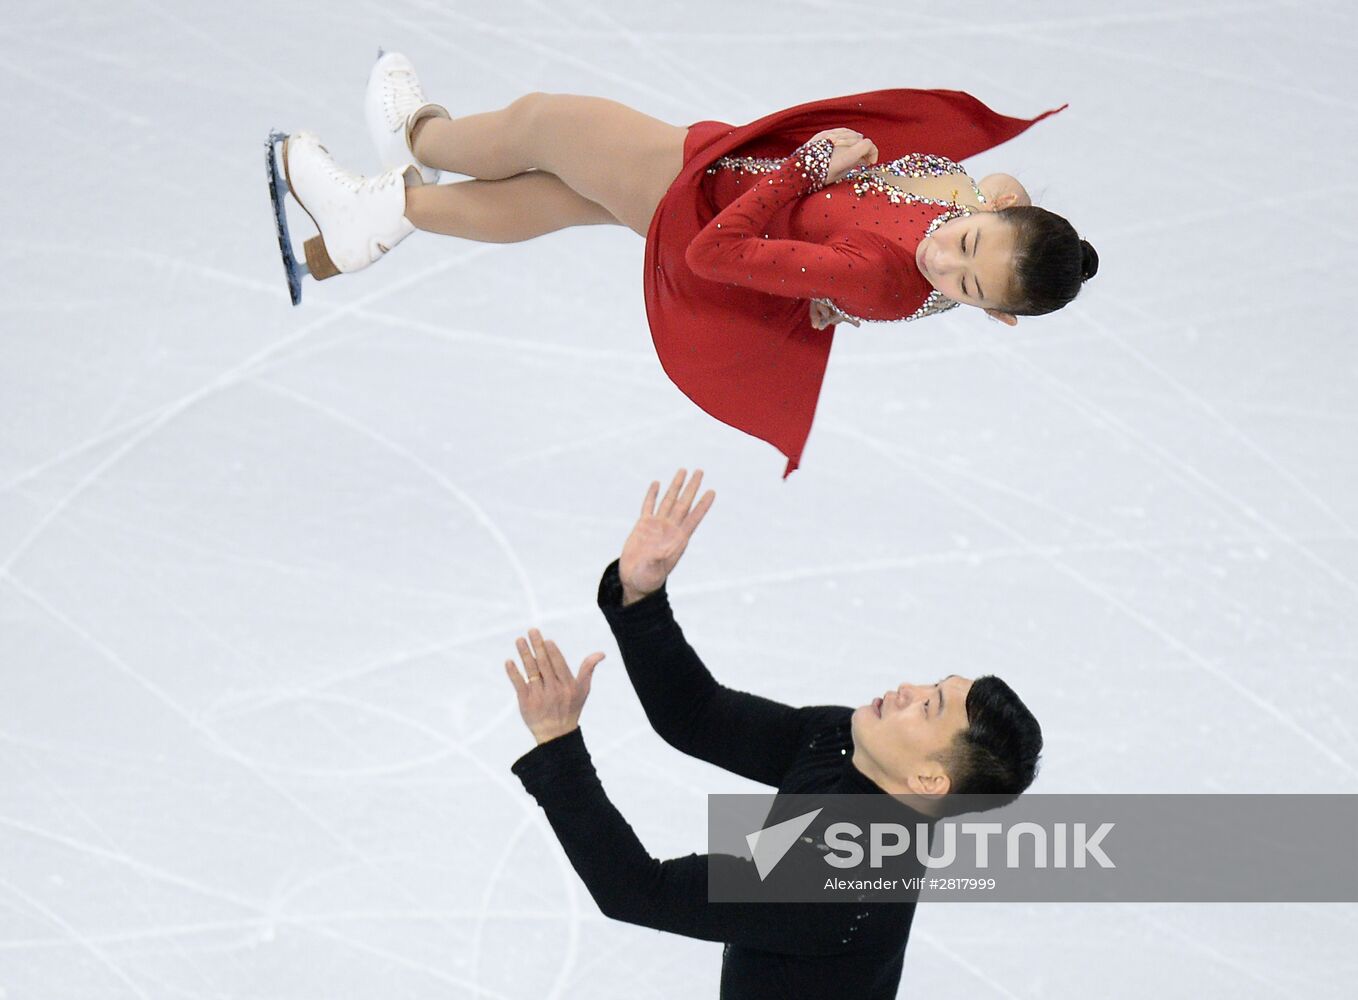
[[259, 566]]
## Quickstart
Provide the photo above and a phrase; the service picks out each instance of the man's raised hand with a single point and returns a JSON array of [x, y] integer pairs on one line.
[[661, 534], [550, 696]]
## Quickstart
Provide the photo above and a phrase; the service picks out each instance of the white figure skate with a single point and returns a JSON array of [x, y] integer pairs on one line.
[[394, 102], [359, 219]]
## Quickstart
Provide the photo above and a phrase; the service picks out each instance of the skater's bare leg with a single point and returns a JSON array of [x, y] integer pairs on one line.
[[607, 152], [503, 211]]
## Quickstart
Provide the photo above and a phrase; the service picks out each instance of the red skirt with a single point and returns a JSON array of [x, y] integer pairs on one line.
[[750, 359]]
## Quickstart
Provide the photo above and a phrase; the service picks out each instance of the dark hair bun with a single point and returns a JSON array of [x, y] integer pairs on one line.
[[1089, 261]]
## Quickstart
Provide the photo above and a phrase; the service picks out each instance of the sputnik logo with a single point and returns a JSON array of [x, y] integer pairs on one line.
[[771, 844]]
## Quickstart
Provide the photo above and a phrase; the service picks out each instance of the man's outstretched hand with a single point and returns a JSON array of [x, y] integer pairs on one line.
[[550, 696], [661, 534]]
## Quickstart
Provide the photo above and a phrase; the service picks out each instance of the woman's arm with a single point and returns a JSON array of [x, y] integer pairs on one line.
[[732, 247]]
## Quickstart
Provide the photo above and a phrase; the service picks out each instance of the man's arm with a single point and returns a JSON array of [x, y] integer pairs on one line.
[[743, 733], [628, 884]]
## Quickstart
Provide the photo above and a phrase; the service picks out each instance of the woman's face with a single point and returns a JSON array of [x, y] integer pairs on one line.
[[971, 260]]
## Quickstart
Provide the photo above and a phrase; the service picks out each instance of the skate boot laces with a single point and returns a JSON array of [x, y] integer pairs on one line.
[[356, 182], [401, 95]]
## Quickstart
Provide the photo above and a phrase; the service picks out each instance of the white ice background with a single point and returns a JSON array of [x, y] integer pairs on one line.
[[259, 566]]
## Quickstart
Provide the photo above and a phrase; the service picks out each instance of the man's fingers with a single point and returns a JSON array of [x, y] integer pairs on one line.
[[696, 515], [587, 671], [530, 663], [690, 491], [560, 668], [667, 504], [530, 666], [648, 504], [515, 678], [544, 661]]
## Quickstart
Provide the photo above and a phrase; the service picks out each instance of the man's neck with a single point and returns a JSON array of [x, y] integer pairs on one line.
[[868, 768]]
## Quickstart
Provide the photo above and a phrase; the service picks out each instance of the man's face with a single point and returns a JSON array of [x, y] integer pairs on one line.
[[899, 736]]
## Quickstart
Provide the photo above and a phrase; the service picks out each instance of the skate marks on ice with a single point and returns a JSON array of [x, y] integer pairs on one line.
[[108, 504]]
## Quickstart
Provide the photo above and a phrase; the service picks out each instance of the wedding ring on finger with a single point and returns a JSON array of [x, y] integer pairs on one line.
[[534, 677]]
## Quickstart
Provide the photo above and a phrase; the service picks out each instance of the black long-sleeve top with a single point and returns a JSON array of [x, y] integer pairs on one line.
[[806, 951]]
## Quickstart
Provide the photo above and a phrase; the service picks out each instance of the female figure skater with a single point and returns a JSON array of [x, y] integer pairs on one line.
[[759, 239]]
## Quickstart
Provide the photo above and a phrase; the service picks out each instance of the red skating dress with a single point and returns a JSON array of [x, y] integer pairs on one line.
[[743, 239]]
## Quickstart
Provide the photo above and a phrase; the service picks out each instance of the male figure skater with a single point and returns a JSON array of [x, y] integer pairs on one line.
[[923, 743]]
